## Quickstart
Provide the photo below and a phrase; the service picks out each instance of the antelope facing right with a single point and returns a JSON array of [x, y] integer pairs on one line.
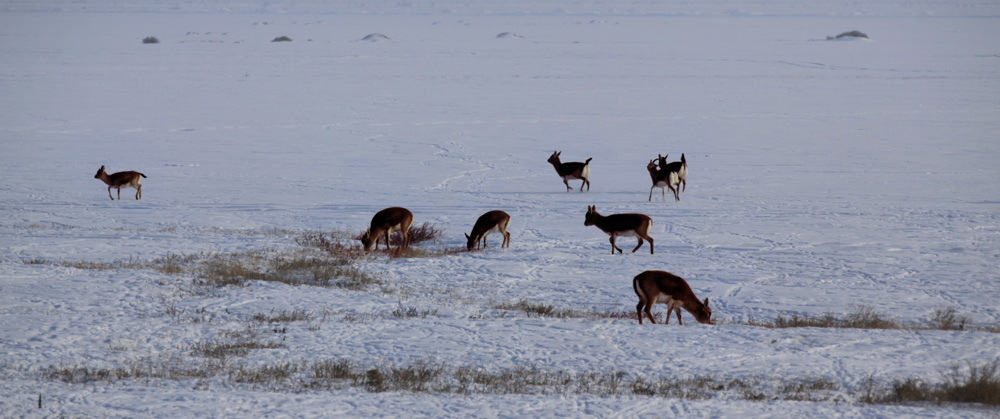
[[129, 179], [662, 179], [664, 287], [488, 223], [625, 225], [384, 223], [572, 170]]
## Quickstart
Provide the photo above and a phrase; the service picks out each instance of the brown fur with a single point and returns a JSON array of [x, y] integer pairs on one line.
[[621, 225], [680, 167], [664, 287], [119, 180], [384, 223], [662, 179], [485, 224], [572, 170]]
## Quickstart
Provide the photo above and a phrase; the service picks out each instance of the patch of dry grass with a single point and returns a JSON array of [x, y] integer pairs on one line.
[[976, 384]]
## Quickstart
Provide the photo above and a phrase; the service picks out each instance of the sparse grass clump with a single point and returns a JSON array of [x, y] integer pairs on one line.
[[412, 312], [973, 385], [333, 244], [865, 317], [976, 384], [947, 319], [282, 316], [425, 232], [862, 317], [222, 349], [537, 309]]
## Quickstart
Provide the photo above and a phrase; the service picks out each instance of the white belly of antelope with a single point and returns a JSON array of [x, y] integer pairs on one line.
[[629, 233], [663, 299]]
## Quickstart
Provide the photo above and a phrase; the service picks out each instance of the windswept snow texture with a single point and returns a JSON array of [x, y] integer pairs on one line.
[[823, 176]]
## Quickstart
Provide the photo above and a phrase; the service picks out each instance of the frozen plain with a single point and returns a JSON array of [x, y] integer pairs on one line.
[[824, 174]]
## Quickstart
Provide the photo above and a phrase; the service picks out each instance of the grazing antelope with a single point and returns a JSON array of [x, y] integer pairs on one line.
[[681, 167], [384, 223], [625, 225], [664, 287], [572, 170], [487, 223], [121, 180], [662, 179]]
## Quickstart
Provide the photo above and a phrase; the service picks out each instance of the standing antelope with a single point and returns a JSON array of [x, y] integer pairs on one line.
[[681, 167], [487, 223], [625, 225], [121, 180], [572, 170], [664, 287], [384, 223], [662, 179]]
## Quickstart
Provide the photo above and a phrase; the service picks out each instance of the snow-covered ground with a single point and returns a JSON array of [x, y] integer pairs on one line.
[[824, 175]]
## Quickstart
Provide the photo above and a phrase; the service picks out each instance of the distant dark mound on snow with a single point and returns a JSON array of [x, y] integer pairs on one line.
[[150, 40], [508, 35], [375, 37], [282, 39], [851, 34]]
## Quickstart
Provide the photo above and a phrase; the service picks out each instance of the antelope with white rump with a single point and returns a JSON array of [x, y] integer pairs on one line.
[[119, 180], [572, 170], [624, 225]]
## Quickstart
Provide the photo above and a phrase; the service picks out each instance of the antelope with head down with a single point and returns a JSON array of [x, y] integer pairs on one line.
[[493, 221], [664, 287], [384, 223]]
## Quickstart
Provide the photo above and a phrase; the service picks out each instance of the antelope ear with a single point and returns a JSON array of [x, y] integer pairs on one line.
[[467, 236], [706, 301]]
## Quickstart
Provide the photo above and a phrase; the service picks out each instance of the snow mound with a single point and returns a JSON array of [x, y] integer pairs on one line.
[[508, 35], [375, 37], [848, 36]]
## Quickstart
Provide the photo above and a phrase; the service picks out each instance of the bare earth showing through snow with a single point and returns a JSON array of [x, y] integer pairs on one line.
[[824, 175]]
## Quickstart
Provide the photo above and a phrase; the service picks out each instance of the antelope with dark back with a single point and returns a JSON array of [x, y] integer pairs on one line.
[[384, 223], [679, 167], [119, 180], [572, 171], [662, 179], [664, 287], [621, 225], [493, 221]]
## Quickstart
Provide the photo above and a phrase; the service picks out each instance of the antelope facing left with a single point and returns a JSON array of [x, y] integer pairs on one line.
[[488, 223], [625, 225], [664, 287], [129, 179], [572, 170], [384, 223]]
